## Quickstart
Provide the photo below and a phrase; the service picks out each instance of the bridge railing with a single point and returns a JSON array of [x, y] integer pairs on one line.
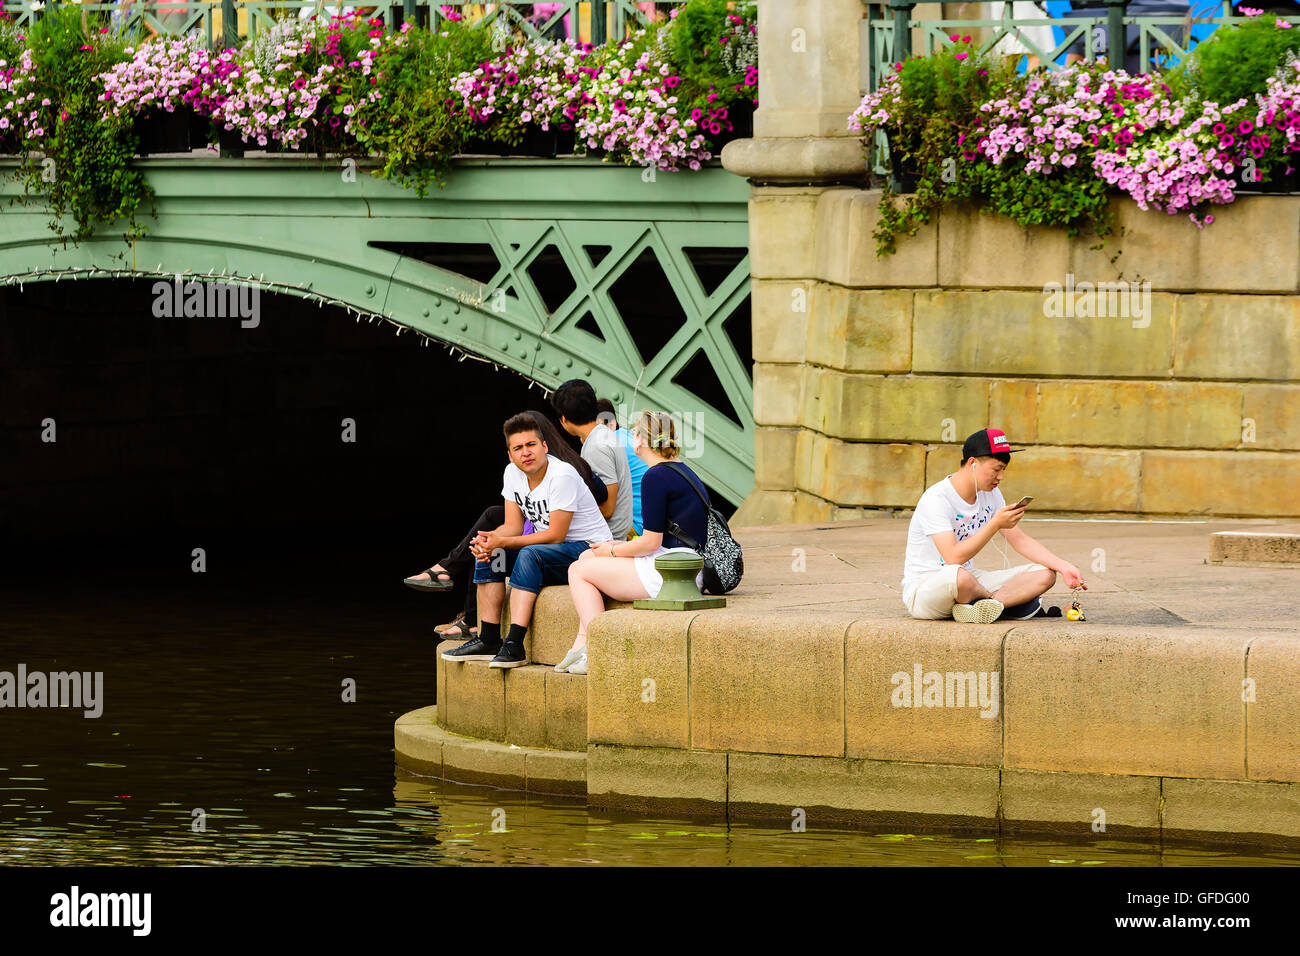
[[1154, 42], [1150, 43], [228, 21]]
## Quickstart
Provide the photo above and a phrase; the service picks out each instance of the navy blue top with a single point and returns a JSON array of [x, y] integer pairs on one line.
[[665, 495]]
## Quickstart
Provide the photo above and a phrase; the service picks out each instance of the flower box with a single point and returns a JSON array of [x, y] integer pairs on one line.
[[179, 131], [536, 142], [1279, 183], [230, 144]]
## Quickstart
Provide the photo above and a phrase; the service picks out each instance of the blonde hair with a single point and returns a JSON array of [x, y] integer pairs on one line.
[[658, 431]]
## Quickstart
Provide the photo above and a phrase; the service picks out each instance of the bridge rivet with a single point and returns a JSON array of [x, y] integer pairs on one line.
[[518, 336], [455, 308], [618, 396], [537, 346], [464, 326], [568, 363], [437, 303], [425, 313], [586, 371], [446, 319], [370, 290]]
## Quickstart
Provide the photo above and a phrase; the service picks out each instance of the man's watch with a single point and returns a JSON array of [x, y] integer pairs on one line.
[[611, 550]]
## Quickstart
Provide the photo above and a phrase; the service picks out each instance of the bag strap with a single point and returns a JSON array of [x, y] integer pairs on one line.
[[676, 531], [703, 500]]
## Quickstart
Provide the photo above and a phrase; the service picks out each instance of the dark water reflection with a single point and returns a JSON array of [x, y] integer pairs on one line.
[[231, 704]]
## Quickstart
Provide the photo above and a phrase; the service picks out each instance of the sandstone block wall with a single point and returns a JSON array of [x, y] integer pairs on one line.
[[1179, 396]]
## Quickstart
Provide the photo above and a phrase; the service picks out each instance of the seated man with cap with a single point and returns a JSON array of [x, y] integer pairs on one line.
[[953, 521]]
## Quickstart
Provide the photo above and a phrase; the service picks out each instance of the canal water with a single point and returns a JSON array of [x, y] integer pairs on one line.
[[225, 739]]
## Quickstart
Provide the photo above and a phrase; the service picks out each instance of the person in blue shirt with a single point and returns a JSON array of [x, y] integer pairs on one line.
[[671, 496], [605, 415]]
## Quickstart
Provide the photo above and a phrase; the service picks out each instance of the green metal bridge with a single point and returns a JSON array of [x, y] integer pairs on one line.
[[556, 269]]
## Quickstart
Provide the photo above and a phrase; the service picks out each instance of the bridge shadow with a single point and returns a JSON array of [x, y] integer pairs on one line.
[[304, 451]]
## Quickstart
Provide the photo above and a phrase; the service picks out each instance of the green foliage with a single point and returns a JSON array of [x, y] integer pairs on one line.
[[1235, 61], [709, 51], [1075, 199], [935, 100], [83, 166], [416, 126]]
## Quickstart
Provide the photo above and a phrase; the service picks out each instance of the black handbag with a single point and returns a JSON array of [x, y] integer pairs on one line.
[[724, 563]]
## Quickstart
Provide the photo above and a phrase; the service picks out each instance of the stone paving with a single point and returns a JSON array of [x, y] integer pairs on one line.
[[1155, 572]]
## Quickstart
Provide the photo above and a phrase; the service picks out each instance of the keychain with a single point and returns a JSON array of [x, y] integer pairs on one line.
[[1075, 613]]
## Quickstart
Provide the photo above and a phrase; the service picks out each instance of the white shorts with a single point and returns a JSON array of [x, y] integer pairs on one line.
[[933, 597], [650, 577]]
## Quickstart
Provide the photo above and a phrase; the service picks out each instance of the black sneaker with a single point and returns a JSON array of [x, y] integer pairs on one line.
[[511, 655], [475, 650], [1022, 612]]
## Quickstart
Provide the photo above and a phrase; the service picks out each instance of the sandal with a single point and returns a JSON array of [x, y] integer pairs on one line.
[[435, 582], [457, 630]]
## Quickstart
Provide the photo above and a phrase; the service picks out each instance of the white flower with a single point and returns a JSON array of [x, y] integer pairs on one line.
[[37, 5]]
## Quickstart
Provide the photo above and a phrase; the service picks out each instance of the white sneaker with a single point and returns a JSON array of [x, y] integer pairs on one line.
[[581, 666], [570, 659], [984, 611]]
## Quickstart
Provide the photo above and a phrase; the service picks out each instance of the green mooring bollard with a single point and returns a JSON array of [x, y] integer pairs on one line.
[[679, 592]]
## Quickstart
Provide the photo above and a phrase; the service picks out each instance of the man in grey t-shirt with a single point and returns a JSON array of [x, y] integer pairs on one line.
[[575, 403]]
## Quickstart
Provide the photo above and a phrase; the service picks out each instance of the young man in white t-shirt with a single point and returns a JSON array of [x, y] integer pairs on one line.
[[953, 521], [551, 494]]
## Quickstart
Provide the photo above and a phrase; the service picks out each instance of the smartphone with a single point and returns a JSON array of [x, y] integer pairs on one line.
[[1023, 502]]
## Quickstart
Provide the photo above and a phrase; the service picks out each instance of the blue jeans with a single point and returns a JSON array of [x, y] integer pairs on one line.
[[533, 567]]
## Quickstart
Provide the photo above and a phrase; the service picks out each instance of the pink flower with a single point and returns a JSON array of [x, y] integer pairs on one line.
[[1249, 11], [85, 46], [962, 56], [1282, 25]]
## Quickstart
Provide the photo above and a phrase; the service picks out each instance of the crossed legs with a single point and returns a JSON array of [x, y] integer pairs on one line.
[[1023, 587]]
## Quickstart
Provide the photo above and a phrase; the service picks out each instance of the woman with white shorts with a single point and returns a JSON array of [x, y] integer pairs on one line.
[[625, 570]]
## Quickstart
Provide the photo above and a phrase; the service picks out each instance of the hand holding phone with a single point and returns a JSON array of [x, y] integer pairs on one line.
[[1023, 502]]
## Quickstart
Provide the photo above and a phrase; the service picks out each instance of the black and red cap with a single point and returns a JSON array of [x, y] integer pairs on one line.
[[987, 442]]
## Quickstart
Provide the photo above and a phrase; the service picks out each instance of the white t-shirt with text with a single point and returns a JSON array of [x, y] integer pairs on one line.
[[561, 489], [942, 509]]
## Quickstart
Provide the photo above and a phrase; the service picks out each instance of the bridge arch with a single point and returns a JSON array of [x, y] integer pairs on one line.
[[637, 282]]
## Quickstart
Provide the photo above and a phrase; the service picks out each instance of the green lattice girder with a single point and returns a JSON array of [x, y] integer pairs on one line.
[[295, 227]]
